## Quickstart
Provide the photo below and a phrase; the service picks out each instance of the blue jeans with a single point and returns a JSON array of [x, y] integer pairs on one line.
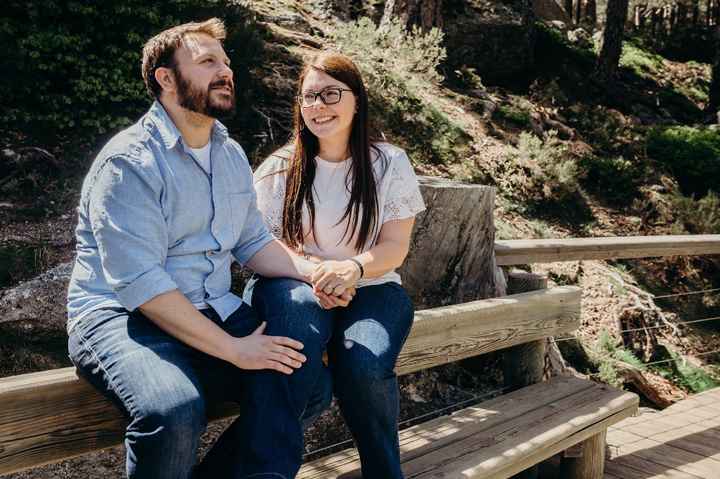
[[366, 339], [164, 386]]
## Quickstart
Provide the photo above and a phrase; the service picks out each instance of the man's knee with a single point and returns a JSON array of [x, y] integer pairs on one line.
[[174, 416]]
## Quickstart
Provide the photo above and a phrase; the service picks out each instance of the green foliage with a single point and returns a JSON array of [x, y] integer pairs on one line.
[[608, 354], [691, 154], [72, 69], [691, 378], [695, 379], [514, 115], [640, 60], [550, 174], [697, 216], [615, 179], [426, 132]]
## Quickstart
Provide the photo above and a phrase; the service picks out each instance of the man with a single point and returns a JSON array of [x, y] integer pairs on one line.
[[167, 205]]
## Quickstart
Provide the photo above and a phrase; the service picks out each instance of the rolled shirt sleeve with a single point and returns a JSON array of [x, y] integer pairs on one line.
[[131, 232]]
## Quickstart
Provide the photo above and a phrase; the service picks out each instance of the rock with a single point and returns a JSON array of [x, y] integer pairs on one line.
[[551, 10], [581, 38], [40, 299]]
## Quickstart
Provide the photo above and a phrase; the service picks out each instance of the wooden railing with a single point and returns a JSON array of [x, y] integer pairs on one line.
[[511, 252]]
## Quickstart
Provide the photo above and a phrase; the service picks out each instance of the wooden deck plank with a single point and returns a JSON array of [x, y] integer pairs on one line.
[[682, 441], [671, 457], [632, 467]]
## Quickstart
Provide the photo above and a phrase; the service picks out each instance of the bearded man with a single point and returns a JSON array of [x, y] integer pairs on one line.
[[168, 204]]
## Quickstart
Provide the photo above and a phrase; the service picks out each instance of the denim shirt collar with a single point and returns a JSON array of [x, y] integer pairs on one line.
[[169, 132]]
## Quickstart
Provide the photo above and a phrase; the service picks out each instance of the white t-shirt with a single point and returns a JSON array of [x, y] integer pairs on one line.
[[398, 197], [202, 155]]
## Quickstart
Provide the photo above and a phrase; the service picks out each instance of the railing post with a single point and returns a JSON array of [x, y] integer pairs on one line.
[[524, 364]]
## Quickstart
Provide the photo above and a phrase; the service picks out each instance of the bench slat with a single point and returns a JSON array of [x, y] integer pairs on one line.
[[54, 415], [499, 437]]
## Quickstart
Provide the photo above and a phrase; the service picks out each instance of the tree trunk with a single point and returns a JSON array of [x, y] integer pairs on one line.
[[696, 12], [591, 13], [607, 64], [578, 11], [682, 15], [708, 15], [569, 9], [424, 13], [528, 21], [714, 103]]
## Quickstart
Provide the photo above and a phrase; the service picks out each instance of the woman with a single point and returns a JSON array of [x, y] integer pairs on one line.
[[348, 203]]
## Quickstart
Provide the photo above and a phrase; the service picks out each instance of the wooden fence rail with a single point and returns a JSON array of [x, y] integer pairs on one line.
[[509, 252]]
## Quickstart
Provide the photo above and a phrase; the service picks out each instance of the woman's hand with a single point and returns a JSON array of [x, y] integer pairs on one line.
[[334, 277], [328, 301]]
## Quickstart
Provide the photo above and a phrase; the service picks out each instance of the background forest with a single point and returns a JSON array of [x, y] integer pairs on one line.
[[591, 118]]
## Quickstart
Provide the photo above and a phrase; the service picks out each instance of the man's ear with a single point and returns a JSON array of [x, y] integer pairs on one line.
[[165, 78]]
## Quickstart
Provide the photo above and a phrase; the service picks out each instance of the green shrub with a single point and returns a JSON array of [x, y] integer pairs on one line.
[[551, 175], [514, 115], [426, 132], [691, 378], [641, 61], [614, 179], [72, 68], [691, 154], [697, 216]]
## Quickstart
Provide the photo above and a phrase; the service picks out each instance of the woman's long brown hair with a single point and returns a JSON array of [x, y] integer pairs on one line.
[[362, 207]]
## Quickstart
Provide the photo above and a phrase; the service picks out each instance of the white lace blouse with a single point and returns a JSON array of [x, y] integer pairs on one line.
[[398, 196]]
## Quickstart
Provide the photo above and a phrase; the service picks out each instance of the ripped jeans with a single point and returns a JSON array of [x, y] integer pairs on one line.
[[367, 337]]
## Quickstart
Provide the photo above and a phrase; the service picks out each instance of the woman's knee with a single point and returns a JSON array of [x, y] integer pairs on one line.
[[291, 309]]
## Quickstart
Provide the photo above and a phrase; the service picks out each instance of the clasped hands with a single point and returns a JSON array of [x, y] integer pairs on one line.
[[334, 282]]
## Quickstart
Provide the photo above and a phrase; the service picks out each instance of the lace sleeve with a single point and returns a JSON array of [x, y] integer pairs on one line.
[[270, 191], [403, 197]]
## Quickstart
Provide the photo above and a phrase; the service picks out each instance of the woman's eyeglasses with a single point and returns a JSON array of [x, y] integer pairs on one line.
[[329, 96]]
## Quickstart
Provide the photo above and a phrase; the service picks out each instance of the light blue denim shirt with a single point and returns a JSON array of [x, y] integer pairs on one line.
[[151, 220]]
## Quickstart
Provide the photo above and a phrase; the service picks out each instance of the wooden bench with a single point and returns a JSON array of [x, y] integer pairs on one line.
[[49, 416]]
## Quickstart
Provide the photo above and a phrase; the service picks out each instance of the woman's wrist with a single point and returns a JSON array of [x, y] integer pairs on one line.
[[359, 267]]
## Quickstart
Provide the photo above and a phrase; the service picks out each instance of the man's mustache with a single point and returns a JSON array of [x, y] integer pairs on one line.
[[222, 83]]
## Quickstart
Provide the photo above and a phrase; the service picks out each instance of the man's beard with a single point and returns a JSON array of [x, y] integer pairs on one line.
[[199, 101]]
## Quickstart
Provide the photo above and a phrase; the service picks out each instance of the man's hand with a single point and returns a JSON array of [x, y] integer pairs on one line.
[[258, 351], [329, 301], [334, 277]]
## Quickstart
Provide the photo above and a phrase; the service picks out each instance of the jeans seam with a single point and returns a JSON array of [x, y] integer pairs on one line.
[[129, 404]]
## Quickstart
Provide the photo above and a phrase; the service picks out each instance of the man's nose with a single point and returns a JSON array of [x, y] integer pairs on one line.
[[226, 72]]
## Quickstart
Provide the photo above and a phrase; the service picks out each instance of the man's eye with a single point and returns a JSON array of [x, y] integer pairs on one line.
[[309, 97], [208, 60]]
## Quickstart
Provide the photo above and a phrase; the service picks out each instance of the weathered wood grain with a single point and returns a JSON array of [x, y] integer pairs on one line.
[[509, 252], [54, 415], [500, 437]]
